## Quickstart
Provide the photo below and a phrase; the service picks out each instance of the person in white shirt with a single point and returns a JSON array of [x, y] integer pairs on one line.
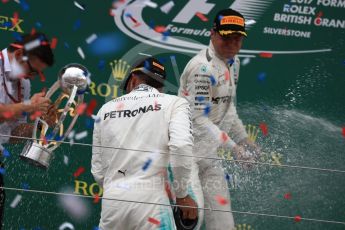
[[18, 65], [140, 133], [209, 83]]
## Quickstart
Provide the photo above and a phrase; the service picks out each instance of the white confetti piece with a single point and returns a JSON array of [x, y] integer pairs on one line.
[[250, 22], [245, 61], [167, 7], [151, 4], [148, 55], [16, 201], [65, 159], [96, 118], [81, 135], [71, 142], [65, 226], [17, 1], [81, 53], [71, 134], [32, 45], [91, 39], [78, 5]]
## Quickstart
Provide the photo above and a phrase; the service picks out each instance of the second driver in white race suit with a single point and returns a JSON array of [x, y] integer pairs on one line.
[[209, 83], [141, 133]]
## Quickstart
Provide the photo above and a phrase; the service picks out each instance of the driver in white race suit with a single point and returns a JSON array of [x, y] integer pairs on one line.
[[209, 83], [140, 134]]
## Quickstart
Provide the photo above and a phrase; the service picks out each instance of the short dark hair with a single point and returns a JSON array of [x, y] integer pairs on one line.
[[150, 80], [43, 51]]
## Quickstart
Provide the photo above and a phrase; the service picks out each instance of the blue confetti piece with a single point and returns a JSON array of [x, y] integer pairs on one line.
[[107, 44], [2, 171], [147, 64], [220, 17], [49, 136], [147, 164], [261, 77], [151, 24], [165, 35], [207, 110], [6, 153], [7, 24], [58, 138], [66, 45], [162, 60], [96, 228], [17, 36], [128, 15], [77, 24], [231, 61], [25, 186], [89, 123], [200, 98], [38, 25], [101, 65], [213, 80], [227, 177], [25, 6], [344, 62]]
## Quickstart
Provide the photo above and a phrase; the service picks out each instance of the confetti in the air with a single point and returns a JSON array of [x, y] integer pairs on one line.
[[42, 77], [32, 45], [66, 226], [136, 23], [5, 1], [101, 65], [79, 171], [16, 201], [8, 114], [81, 108], [343, 131], [77, 24], [202, 17], [91, 38], [200, 98], [25, 186], [224, 137], [261, 77], [81, 53], [213, 80], [221, 200], [95, 118], [2, 171], [227, 75], [245, 61], [91, 107], [287, 196], [65, 159], [298, 218], [150, 4], [264, 129], [154, 221], [53, 43], [167, 7], [80, 6], [250, 22], [81, 135], [147, 164], [35, 115], [96, 199], [25, 6], [266, 55], [207, 109]]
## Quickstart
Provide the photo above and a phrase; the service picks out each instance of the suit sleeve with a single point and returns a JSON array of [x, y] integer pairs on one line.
[[197, 89], [181, 146], [97, 168]]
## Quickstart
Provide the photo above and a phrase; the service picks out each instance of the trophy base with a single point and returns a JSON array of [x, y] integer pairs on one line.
[[36, 154]]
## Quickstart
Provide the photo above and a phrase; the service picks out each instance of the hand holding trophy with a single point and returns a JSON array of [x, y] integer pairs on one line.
[[73, 80]]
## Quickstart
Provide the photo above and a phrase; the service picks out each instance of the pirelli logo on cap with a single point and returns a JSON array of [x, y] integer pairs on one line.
[[158, 65], [232, 20]]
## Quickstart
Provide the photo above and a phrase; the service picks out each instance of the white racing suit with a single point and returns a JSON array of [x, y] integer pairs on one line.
[[135, 130], [209, 84]]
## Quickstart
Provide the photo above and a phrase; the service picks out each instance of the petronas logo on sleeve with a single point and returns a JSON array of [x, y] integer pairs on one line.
[[119, 69]]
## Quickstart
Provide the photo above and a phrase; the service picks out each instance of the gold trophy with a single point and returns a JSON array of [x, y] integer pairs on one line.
[[73, 80]]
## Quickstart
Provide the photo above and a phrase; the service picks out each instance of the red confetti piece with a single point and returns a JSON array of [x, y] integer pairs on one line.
[[79, 171], [35, 115], [42, 77], [227, 75], [224, 137], [266, 55], [81, 108], [92, 105], [202, 17], [221, 200], [320, 14], [112, 12], [287, 196], [96, 199], [160, 29], [154, 221], [45, 141], [185, 92], [8, 114], [298, 218], [15, 18], [264, 129], [53, 43], [33, 31], [5, 1], [344, 131], [168, 191]]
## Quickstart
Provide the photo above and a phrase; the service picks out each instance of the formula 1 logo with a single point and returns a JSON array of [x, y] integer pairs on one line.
[[184, 26]]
